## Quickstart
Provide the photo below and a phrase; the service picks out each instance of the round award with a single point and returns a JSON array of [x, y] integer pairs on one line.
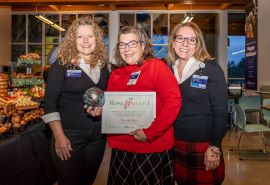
[[94, 97]]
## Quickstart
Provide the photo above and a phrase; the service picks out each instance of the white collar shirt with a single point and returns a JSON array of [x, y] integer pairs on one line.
[[92, 73], [191, 66]]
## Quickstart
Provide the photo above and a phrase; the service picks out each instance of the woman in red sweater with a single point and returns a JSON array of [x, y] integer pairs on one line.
[[144, 155]]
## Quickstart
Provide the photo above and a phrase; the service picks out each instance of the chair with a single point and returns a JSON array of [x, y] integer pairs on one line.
[[240, 121], [235, 92], [251, 104], [265, 103], [232, 118]]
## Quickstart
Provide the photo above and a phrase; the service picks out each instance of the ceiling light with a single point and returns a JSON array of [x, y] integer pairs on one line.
[[44, 19], [47, 21], [188, 19], [241, 51], [58, 27]]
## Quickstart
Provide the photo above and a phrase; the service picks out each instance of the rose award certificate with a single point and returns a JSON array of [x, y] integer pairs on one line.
[[124, 112]]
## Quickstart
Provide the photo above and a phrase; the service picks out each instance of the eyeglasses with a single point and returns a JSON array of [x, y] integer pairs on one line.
[[131, 44], [190, 40]]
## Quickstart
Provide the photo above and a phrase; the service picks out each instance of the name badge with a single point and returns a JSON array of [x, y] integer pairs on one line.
[[198, 81], [133, 78], [74, 73]]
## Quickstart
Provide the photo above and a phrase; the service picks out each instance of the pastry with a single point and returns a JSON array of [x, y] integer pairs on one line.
[[5, 86], [3, 94], [3, 90]]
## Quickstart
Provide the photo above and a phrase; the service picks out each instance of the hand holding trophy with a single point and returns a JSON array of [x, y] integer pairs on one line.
[[94, 100]]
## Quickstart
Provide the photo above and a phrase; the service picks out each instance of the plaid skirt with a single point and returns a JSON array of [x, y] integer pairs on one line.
[[189, 165], [128, 168]]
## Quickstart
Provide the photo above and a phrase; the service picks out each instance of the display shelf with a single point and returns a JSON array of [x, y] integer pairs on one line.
[[29, 59]]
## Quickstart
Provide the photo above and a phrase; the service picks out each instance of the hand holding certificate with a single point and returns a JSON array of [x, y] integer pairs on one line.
[[124, 112]]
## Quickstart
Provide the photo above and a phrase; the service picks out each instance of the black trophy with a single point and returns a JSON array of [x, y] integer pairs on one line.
[[94, 97]]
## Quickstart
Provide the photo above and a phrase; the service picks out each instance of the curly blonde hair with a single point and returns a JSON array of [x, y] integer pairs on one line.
[[201, 52], [68, 53]]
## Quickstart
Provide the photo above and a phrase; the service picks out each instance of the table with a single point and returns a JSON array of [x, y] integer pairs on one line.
[[264, 95], [25, 158], [263, 92], [266, 107]]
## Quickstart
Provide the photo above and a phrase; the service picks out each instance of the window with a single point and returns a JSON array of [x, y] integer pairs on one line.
[[143, 21], [127, 20], [103, 22], [18, 28], [30, 34], [236, 48], [160, 35], [159, 25]]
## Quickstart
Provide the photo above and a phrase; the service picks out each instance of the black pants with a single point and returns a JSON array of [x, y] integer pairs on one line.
[[87, 153]]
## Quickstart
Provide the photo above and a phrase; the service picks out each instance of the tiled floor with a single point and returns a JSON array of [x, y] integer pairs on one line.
[[253, 170]]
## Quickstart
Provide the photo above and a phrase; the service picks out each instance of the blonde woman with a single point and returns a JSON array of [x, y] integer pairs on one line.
[[77, 144], [202, 121]]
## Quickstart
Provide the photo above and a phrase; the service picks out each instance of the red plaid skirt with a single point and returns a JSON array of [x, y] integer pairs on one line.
[[189, 165]]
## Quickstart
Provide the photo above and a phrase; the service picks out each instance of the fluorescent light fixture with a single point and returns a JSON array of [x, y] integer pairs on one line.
[[241, 51], [44, 19], [188, 19], [47, 21], [58, 27]]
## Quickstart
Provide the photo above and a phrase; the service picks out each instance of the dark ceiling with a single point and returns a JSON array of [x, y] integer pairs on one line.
[[69, 5]]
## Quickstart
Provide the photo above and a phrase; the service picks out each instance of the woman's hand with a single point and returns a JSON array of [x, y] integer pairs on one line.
[[62, 144], [212, 158], [94, 111], [139, 135], [62, 147]]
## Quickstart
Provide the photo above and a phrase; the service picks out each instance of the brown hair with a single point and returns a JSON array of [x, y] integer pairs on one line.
[[201, 53], [68, 52], [148, 50]]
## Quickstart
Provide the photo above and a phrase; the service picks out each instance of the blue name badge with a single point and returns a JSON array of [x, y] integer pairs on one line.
[[133, 78], [198, 81], [74, 73]]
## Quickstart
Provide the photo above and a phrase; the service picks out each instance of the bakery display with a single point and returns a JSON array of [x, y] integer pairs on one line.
[[4, 129], [23, 80], [25, 103], [4, 81], [20, 97], [19, 121], [29, 59]]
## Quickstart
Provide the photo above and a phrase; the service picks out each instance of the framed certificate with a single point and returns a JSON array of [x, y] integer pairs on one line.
[[124, 112]]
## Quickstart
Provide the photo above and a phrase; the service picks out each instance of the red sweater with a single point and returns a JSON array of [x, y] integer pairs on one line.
[[156, 77]]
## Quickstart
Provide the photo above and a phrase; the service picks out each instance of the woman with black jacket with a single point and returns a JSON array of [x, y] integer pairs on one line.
[[202, 121], [77, 144]]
